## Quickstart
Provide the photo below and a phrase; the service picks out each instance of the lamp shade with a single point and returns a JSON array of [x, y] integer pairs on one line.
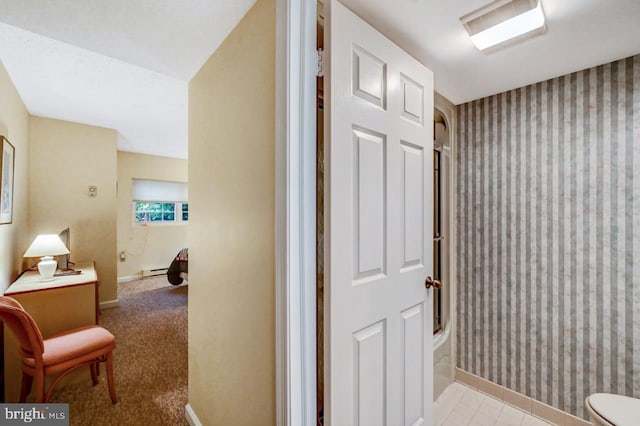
[[46, 245]]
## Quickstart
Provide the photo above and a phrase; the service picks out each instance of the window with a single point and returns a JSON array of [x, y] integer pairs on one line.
[[160, 212], [159, 202], [185, 211]]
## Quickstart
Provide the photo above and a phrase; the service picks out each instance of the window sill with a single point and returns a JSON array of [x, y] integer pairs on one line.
[[160, 224]]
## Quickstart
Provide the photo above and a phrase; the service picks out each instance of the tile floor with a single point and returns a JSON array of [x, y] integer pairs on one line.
[[460, 405]]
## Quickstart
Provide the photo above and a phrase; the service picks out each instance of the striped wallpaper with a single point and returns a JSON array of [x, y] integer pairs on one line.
[[549, 236]]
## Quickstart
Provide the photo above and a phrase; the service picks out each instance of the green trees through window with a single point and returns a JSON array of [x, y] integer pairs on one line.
[[185, 211], [158, 212]]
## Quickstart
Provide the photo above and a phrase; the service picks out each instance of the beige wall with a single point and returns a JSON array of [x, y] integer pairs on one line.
[[65, 159], [231, 229], [152, 246], [14, 125]]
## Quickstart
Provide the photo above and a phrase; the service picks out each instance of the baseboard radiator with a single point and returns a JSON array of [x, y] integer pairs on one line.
[[154, 272]]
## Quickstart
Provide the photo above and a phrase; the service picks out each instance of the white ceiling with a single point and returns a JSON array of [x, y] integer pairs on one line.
[[125, 64], [171, 37], [122, 64], [65, 82]]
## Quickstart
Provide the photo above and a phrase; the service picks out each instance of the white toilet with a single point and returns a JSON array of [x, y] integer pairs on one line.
[[606, 409]]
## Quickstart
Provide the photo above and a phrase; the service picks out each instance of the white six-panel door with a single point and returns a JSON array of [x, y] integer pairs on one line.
[[379, 228]]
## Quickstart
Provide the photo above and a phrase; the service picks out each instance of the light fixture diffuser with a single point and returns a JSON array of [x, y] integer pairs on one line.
[[504, 21]]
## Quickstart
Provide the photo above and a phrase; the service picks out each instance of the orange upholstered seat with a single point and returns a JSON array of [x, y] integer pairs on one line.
[[61, 353]]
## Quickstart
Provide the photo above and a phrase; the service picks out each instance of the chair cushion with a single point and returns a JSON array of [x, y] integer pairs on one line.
[[74, 344]]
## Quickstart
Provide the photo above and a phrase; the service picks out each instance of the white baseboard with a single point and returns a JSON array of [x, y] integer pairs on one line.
[[154, 272], [129, 278], [191, 417], [520, 401], [109, 304]]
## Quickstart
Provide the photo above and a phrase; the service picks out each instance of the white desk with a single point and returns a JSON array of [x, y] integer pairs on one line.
[[63, 304]]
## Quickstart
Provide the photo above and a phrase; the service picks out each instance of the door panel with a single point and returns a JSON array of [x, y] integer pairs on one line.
[[412, 203], [413, 356], [413, 96], [370, 370], [378, 224], [369, 77], [369, 205]]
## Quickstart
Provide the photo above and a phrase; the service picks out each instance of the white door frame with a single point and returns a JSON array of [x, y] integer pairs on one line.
[[296, 69]]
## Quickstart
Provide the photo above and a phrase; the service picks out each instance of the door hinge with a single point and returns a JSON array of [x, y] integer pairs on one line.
[[320, 72]]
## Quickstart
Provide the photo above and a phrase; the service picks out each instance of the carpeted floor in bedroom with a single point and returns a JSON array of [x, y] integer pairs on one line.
[[150, 360]]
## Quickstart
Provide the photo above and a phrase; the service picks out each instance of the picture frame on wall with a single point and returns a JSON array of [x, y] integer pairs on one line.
[[7, 164]]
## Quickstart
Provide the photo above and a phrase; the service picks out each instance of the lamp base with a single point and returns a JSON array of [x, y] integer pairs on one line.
[[47, 267]]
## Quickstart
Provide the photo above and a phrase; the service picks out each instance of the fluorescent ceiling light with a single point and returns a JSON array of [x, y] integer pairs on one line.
[[504, 20]]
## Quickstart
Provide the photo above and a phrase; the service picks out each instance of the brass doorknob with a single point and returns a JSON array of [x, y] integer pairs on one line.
[[430, 282]]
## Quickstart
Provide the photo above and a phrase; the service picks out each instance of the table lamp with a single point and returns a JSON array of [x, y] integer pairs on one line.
[[46, 246]]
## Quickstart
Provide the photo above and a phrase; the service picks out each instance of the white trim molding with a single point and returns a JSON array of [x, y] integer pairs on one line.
[[518, 400], [128, 278], [296, 68], [109, 304], [191, 417]]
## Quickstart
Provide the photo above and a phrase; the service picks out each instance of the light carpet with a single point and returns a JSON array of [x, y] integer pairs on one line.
[[150, 360]]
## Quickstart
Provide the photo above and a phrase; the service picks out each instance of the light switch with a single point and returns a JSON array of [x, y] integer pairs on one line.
[[93, 191]]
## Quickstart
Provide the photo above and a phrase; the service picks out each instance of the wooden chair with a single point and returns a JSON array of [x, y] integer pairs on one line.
[[59, 354]]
